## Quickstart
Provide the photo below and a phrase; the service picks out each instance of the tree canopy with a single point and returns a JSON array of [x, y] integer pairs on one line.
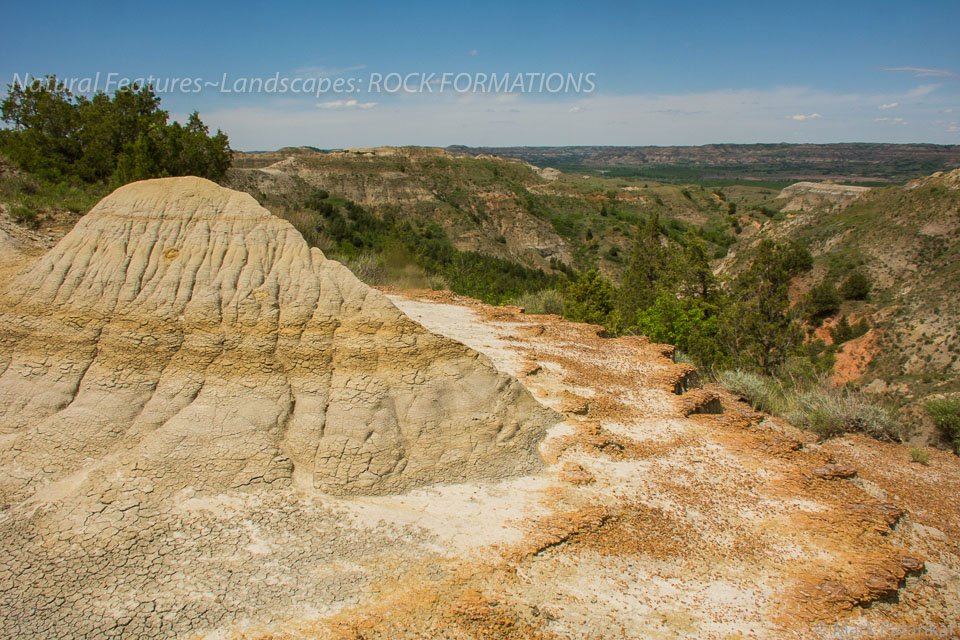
[[670, 293], [121, 138]]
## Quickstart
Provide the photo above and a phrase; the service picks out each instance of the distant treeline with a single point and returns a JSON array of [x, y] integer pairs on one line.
[[714, 163]]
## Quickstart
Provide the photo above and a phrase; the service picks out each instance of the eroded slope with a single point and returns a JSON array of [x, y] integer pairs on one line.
[[182, 357]]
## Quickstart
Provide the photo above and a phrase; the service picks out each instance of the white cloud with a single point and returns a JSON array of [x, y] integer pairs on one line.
[[925, 72], [953, 127], [889, 105], [891, 120], [474, 52], [577, 109], [810, 116], [346, 104], [922, 91], [728, 115], [678, 112]]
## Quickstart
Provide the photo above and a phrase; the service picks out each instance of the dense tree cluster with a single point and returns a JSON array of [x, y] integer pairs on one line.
[[58, 136], [355, 232], [669, 293]]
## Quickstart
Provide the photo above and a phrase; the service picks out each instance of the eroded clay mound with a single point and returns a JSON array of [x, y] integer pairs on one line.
[[181, 335]]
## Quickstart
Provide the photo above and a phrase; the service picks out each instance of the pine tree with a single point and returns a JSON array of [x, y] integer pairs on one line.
[[590, 299]]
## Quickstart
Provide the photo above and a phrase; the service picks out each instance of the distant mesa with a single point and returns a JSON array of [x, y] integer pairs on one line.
[[804, 196]]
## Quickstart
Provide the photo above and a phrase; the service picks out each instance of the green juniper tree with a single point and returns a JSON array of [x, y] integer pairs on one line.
[[59, 136], [590, 298], [758, 327], [647, 273]]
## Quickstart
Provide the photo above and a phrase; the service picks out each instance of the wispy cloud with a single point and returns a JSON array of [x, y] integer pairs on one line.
[[474, 52], [809, 116], [322, 71], [925, 72], [923, 90], [891, 120], [346, 104], [889, 105], [726, 115], [677, 112]]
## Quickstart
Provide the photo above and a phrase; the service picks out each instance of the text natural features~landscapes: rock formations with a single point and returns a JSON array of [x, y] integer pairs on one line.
[[181, 335]]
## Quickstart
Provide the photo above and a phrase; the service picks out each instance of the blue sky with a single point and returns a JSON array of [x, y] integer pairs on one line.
[[663, 73]]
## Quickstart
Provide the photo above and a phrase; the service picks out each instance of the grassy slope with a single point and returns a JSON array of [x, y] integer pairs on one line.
[[503, 207], [905, 238]]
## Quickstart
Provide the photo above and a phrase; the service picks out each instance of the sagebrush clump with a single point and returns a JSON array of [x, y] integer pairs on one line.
[[824, 410], [545, 301], [946, 416]]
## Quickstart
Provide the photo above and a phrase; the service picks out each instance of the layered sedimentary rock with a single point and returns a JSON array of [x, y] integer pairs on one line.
[[181, 335], [804, 196]]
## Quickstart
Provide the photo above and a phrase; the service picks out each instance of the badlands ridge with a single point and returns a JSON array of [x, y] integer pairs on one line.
[[181, 326]]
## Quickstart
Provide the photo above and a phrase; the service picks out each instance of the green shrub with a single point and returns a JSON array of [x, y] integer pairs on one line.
[[822, 301], [37, 194], [19, 184], [921, 456], [821, 420], [830, 412], [761, 392], [767, 211], [844, 331], [25, 216], [370, 268], [824, 410], [613, 253], [856, 287], [317, 201], [590, 299], [689, 323], [946, 416], [545, 301]]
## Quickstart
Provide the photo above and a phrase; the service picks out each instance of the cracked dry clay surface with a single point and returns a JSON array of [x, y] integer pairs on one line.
[[180, 376]]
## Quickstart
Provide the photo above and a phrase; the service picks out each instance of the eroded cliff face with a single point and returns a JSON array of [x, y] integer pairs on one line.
[[181, 335], [418, 183], [804, 196]]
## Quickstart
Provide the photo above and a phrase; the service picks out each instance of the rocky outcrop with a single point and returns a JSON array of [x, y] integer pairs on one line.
[[803, 196], [182, 335]]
